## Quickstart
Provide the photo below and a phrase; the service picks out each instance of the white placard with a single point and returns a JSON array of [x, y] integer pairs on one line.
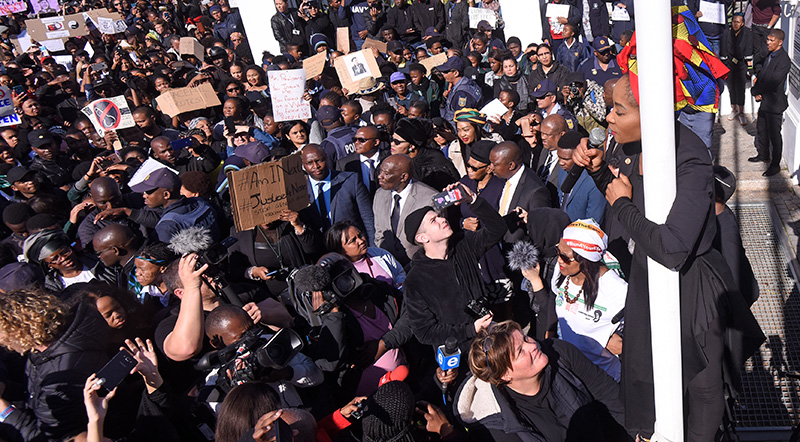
[[555, 10], [64, 60], [478, 14], [9, 120], [109, 114], [6, 103], [53, 45], [494, 108], [620, 14], [286, 89], [712, 12], [149, 166]]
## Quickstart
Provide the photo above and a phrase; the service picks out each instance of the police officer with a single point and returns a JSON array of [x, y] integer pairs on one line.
[[602, 67], [463, 91], [544, 94]]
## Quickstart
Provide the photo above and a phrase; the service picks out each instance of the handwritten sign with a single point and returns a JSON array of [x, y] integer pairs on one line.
[[8, 7], [185, 99], [286, 88], [712, 12], [10, 120], [260, 192], [314, 65], [190, 46], [478, 14], [109, 114], [432, 62], [343, 40], [371, 43]]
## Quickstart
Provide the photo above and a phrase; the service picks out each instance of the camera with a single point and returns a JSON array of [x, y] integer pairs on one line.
[[214, 256], [477, 307], [574, 89], [334, 276], [345, 280], [361, 408], [249, 358]]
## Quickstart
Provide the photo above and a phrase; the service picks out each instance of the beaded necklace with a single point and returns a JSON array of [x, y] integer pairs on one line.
[[566, 293]]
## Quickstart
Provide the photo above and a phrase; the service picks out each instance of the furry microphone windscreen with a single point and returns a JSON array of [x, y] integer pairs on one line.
[[193, 239], [523, 256], [312, 279]]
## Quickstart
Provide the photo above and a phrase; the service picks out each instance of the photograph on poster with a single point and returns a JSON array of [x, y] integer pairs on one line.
[[357, 65]]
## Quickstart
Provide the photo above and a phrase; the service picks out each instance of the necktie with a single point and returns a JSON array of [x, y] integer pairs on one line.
[[506, 200], [545, 173], [371, 174], [396, 213], [323, 208]]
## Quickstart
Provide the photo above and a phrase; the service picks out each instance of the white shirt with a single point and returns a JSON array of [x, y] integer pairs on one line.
[[84, 276], [511, 187], [365, 167], [403, 196], [553, 111]]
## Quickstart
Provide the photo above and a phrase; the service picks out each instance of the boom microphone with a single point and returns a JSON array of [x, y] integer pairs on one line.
[[596, 139], [523, 256], [312, 279], [192, 239]]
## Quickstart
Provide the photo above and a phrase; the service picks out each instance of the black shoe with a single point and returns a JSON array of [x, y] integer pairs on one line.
[[772, 170], [758, 159]]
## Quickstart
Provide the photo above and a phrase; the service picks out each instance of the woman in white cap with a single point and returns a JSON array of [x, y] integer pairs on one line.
[[588, 295]]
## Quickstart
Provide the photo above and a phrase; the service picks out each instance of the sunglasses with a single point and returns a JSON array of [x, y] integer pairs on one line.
[[546, 96], [363, 140], [473, 168], [233, 89], [563, 257], [396, 141]]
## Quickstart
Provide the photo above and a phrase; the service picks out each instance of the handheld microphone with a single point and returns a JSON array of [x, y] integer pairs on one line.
[[596, 139], [448, 356]]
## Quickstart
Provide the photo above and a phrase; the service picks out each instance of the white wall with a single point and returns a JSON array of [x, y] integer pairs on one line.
[[256, 15]]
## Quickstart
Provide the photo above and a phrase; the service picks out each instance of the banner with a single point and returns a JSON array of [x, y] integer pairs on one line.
[[260, 192], [286, 88], [109, 114], [478, 14], [8, 7]]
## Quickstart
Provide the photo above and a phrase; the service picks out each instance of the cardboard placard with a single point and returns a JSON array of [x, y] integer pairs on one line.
[[185, 99], [286, 89], [314, 65], [109, 114], [432, 62], [354, 66], [106, 22], [370, 43], [260, 192], [478, 14], [8, 7], [45, 6], [343, 40], [60, 26], [190, 46]]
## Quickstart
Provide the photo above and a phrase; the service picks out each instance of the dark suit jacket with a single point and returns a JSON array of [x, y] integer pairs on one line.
[[352, 163], [585, 200], [349, 201], [771, 83], [529, 194]]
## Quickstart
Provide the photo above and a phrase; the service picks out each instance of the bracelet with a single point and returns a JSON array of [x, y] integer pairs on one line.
[[6, 413]]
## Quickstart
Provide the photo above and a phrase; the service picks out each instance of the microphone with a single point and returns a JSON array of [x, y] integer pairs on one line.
[[448, 356], [194, 239], [523, 256], [398, 374], [596, 139], [312, 279]]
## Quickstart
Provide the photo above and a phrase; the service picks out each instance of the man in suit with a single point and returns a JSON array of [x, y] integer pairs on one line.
[[366, 160], [552, 129], [585, 200], [522, 188], [335, 196], [769, 88], [397, 197]]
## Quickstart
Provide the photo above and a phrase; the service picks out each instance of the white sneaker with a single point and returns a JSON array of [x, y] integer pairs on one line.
[[733, 114], [742, 120]]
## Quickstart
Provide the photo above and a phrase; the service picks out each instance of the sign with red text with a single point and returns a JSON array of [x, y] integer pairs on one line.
[[186, 99], [286, 89], [8, 7]]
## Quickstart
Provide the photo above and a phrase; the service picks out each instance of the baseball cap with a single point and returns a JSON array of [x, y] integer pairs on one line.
[[39, 138], [484, 25], [452, 63], [327, 115], [544, 88], [413, 221], [161, 178], [214, 8], [255, 152], [16, 174], [601, 43], [397, 76], [395, 46], [430, 31]]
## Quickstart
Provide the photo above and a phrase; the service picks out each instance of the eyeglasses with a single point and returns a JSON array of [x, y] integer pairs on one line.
[[233, 89], [397, 141], [363, 140], [563, 256], [474, 168]]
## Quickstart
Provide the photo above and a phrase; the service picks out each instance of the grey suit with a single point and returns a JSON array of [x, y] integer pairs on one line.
[[419, 195]]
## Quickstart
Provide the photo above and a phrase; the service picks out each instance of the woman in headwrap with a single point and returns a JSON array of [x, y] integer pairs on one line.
[[62, 265], [413, 137], [469, 129], [585, 296]]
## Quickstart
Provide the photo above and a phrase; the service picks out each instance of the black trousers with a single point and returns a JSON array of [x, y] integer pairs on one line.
[[737, 81], [769, 143], [760, 50]]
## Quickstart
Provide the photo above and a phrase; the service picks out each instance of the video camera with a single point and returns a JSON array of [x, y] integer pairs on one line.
[[249, 358], [334, 276]]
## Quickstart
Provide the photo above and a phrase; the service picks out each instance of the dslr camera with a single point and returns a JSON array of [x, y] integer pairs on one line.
[[254, 354]]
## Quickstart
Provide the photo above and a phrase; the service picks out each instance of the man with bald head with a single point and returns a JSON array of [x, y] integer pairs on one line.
[[552, 129], [116, 245], [105, 194], [397, 197], [195, 157], [334, 195], [366, 160]]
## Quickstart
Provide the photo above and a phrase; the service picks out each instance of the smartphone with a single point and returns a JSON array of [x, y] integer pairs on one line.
[[108, 160], [115, 371], [18, 89], [283, 432], [99, 66], [230, 125], [181, 143], [448, 197]]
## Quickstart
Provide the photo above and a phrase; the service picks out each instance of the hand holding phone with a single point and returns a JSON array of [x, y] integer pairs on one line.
[[114, 372], [453, 194]]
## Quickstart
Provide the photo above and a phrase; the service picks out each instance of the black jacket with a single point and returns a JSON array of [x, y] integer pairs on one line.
[[457, 31], [285, 30], [558, 75], [437, 290], [53, 282], [56, 377], [770, 83], [400, 18], [736, 47], [432, 168], [427, 13]]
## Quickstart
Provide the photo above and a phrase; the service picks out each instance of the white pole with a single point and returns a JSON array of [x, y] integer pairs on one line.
[[256, 15], [654, 61]]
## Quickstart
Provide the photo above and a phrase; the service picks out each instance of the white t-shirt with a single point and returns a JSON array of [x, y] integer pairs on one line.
[[589, 330], [84, 276]]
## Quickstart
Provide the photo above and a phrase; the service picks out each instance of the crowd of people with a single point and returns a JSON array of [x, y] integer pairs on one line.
[[458, 273]]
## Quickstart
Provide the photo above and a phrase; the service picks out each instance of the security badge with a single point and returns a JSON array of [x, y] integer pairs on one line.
[[594, 71], [462, 101], [570, 124], [295, 31]]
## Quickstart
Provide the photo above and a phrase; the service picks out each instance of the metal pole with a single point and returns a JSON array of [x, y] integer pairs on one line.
[[656, 99]]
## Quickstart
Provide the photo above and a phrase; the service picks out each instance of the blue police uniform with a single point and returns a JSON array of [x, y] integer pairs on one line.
[[591, 69], [465, 93]]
